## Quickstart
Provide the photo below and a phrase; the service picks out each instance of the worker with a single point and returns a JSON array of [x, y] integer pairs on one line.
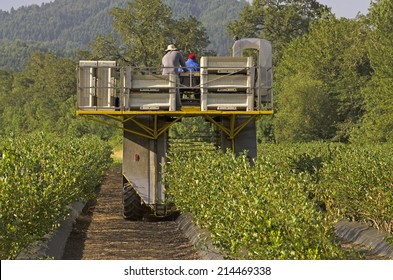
[[192, 64], [193, 67], [172, 60]]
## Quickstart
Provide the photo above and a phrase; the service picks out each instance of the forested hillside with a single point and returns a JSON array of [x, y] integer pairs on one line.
[[66, 26], [215, 16], [332, 77]]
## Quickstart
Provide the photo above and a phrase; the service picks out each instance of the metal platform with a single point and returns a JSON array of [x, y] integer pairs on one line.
[[229, 92], [152, 131]]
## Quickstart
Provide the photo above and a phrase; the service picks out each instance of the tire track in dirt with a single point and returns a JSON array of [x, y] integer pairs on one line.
[[101, 233]]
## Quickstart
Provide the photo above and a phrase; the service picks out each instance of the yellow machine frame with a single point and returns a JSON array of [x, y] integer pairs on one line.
[[153, 132]]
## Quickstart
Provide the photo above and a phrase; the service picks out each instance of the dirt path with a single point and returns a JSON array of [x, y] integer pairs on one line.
[[101, 233]]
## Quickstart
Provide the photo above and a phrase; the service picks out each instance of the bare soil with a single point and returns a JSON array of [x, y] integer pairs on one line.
[[101, 233]]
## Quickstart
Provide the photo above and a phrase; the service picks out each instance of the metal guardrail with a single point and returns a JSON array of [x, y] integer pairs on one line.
[[221, 84]]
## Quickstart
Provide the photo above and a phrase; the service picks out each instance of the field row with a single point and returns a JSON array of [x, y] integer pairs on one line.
[[285, 205], [40, 176]]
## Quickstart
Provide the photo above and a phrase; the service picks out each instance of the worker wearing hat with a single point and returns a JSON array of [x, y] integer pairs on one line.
[[172, 60]]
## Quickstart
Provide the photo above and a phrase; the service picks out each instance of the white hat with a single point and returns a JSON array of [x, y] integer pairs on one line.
[[171, 47]]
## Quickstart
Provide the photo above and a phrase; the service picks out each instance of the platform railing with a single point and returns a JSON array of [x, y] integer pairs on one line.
[[223, 83]]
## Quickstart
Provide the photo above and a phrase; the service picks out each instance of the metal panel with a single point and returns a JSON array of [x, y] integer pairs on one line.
[[229, 101], [86, 88], [86, 84], [143, 158], [88, 63], [152, 101], [264, 85], [246, 139], [225, 64], [106, 84]]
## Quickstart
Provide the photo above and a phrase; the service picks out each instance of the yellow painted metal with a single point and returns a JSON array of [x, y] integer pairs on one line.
[[173, 116], [243, 125], [191, 111], [150, 132]]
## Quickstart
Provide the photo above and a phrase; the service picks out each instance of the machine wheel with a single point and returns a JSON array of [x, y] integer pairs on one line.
[[134, 209]]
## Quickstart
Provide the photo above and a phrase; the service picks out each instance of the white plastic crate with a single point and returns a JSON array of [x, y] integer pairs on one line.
[[227, 83], [96, 85], [149, 91]]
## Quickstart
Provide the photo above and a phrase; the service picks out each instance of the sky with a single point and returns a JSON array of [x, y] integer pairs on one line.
[[342, 8], [347, 8]]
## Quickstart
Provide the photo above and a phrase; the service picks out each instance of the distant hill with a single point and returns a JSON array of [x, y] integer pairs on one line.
[[65, 26]]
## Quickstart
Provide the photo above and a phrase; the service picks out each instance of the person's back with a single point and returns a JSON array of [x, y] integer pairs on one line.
[[172, 60]]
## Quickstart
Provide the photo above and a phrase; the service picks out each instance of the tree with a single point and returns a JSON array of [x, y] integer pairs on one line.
[[214, 14], [278, 21], [191, 35], [42, 97], [36, 94], [377, 123], [142, 31], [6, 79], [319, 82]]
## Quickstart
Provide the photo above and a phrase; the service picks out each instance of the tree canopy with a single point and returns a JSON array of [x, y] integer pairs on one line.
[[377, 122], [319, 81], [42, 98], [278, 21], [140, 41], [65, 27]]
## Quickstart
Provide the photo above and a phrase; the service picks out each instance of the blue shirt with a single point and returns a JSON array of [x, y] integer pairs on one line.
[[192, 65]]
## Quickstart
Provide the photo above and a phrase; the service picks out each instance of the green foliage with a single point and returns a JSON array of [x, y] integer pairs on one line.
[[189, 127], [259, 212], [59, 27], [377, 124], [319, 82], [285, 205], [15, 54], [265, 130], [141, 40], [64, 27], [37, 95], [144, 39], [192, 134], [40, 176], [305, 111], [277, 21], [208, 12], [357, 184], [42, 97]]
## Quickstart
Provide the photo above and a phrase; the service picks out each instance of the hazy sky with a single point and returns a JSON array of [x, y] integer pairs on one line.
[[347, 8], [342, 8]]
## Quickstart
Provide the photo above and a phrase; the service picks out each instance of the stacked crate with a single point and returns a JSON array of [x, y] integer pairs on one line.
[[227, 83], [97, 85], [143, 91]]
